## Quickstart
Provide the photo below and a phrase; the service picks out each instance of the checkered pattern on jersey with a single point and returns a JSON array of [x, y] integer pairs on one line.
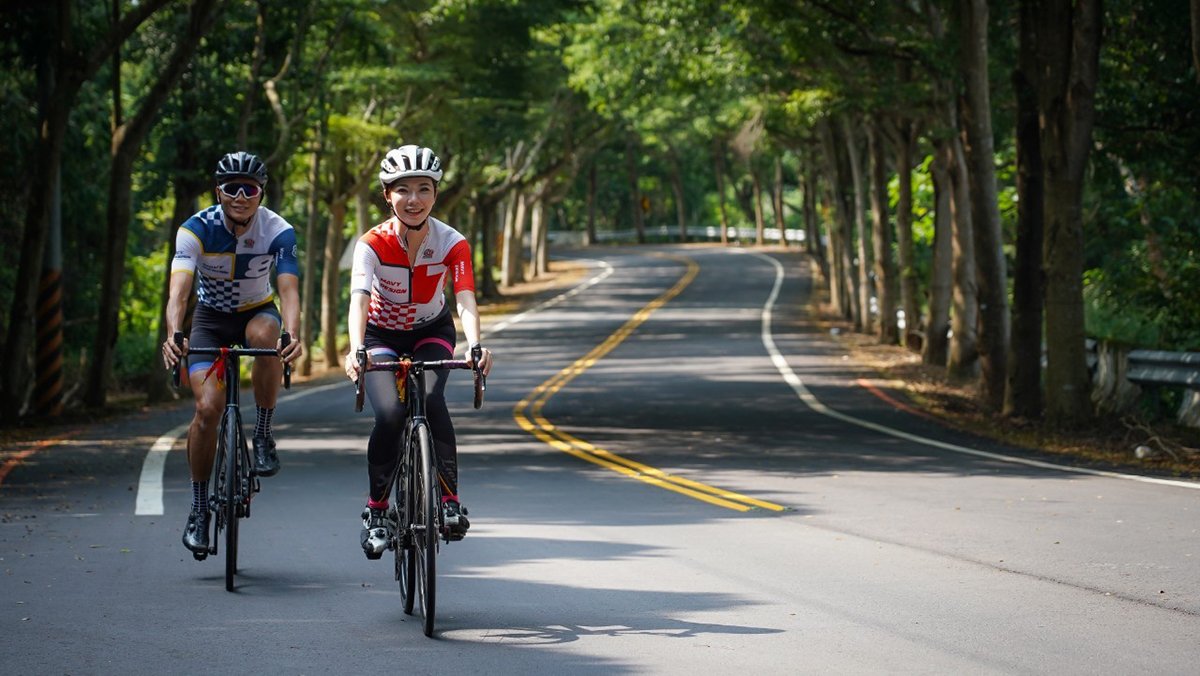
[[219, 294], [391, 315]]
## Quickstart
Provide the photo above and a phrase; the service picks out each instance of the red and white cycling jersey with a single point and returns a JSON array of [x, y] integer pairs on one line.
[[406, 291]]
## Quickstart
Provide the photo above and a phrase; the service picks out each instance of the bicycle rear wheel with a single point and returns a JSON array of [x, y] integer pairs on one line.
[[425, 525], [233, 482], [406, 560]]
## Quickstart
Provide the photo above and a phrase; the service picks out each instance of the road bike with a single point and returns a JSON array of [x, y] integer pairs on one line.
[[416, 507], [234, 482]]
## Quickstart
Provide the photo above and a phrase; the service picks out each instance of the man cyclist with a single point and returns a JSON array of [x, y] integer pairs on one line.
[[230, 249], [397, 307]]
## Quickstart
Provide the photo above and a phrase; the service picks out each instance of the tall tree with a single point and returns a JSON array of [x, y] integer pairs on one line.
[[1068, 49], [126, 143], [1023, 397], [976, 122], [68, 66]]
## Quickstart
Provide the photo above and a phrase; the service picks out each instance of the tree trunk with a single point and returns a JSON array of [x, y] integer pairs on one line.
[[677, 192], [514, 233], [186, 191], [881, 235], [777, 201], [904, 236], [1195, 14], [589, 235], [362, 212], [964, 352], [126, 143], [863, 321], [330, 286], [635, 192], [537, 238], [487, 226], [312, 228], [841, 234], [719, 170], [812, 228], [1023, 397], [976, 121], [756, 185], [1068, 60], [935, 349]]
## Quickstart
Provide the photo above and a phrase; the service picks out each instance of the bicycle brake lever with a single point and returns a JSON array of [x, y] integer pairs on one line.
[[178, 340], [285, 339]]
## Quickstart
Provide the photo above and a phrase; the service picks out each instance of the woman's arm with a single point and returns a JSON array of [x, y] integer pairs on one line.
[[468, 311]]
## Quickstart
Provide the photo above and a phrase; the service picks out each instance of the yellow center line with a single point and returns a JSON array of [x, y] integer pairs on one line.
[[531, 407]]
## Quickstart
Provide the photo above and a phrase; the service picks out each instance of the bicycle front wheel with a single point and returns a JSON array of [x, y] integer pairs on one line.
[[425, 530], [406, 558], [232, 495]]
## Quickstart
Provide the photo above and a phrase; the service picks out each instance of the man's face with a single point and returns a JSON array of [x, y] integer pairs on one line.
[[240, 197]]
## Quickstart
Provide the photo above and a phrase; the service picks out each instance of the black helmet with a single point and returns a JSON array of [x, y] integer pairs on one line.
[[241, 164]]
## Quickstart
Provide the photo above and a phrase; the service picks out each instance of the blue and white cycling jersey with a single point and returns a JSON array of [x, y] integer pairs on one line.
[[235, 273]]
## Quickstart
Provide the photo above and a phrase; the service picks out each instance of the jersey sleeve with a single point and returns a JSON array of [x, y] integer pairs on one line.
[[462, 272], [188, 248], [287, 253], [362, 270]]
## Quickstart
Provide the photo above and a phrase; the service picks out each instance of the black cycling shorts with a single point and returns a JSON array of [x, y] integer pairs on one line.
[[213, 328], [439, 333]]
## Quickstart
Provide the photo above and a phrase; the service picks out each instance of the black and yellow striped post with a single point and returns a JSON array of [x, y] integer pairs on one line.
[[48, 368]]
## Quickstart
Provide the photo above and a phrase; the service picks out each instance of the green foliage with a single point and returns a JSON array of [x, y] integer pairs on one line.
[[692, 82]]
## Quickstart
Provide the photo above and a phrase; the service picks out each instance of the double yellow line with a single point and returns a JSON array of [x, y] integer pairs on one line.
[[528, 414]]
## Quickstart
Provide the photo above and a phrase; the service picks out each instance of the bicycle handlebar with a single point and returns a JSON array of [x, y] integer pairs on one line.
[[285, 339], [364, 365]]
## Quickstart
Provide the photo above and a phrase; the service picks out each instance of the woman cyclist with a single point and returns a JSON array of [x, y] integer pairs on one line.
[[397, 307]]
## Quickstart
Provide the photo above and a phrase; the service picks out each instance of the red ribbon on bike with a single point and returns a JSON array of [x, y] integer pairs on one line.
[[218, 365], [401, 374]]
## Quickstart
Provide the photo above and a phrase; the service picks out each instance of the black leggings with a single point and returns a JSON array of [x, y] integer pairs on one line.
[[383, 450]]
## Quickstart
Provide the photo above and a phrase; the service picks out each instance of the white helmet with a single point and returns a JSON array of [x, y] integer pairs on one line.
[[408, 161]]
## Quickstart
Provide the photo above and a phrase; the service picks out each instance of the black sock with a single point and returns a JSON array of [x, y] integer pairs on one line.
[[200, 496], [262, 428]]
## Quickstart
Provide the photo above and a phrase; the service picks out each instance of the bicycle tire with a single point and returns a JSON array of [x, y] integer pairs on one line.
[[406, 560], [233, 485], [216, 497], [426, 531]]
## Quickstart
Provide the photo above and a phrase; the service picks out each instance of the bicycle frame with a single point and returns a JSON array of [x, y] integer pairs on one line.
[[233, 481], [416, 490]]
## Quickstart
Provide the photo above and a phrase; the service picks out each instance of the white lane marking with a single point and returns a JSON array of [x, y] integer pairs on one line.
[[150, 487], [813, 403], [150, 484], [608, 270]]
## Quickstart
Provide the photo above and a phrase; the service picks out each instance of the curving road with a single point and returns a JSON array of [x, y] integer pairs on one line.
[[674, 473]]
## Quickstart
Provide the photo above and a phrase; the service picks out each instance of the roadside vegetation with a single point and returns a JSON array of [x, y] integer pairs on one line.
[[983, 187]]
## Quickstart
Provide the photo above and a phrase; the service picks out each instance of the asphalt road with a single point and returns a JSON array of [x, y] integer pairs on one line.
[[674, 473]]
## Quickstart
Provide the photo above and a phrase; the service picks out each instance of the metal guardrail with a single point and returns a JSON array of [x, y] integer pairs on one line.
[[664, 232], [1158, 367]]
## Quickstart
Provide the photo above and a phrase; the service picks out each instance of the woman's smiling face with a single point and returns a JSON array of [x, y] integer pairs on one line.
[[412, 199]]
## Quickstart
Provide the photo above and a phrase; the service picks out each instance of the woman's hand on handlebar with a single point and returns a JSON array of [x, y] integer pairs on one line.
[[351, 365], [485, 358]]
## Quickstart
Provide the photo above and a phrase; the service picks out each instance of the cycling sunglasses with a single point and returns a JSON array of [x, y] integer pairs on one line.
[[250, 190]]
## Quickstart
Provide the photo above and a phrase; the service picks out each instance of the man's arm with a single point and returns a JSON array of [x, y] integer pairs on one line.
[[289, 302], [178, 292]]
